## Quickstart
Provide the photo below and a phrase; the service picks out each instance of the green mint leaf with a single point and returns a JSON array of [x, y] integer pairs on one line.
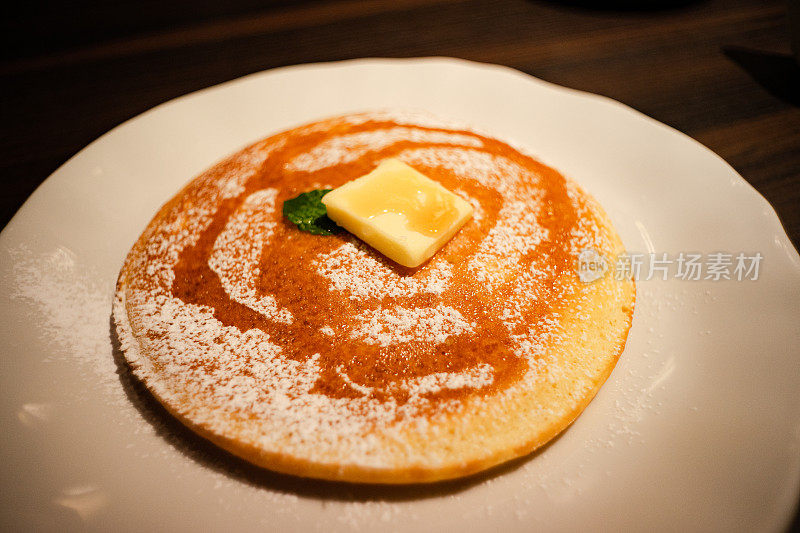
[[309, 214]]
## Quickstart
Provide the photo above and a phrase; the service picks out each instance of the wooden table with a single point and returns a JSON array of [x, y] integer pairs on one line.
[[717, 70]]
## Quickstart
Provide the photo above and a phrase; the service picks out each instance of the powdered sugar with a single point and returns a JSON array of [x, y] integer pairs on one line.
[[74, 307], [386, 327], [355, 271], [240, 168], [249, 375], [350, 147], [475, 378], [238, 249], [492, 171]]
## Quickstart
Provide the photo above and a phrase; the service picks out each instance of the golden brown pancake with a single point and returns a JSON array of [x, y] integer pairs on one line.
[[316, 356]]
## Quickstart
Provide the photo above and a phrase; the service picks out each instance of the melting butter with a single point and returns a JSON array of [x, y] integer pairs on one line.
[[398, 211], [428, 208]]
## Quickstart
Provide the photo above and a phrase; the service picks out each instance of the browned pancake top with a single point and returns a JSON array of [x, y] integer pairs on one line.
[[285, 270], [320, 350]]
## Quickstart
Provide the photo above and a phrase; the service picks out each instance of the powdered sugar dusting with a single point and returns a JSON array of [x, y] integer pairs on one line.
[[72, 305], [476, 378], [354, 270], [238, 249], [350, 147], [386, 327], [410, 118], [493, 171], [366, 391], [250, 375], [183, 224], [235, 174]]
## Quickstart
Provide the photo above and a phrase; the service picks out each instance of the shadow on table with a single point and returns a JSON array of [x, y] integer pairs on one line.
[[209, 455], [778, 73]]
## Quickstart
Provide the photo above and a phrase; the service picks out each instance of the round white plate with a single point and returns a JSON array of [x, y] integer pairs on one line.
[[698, 428]]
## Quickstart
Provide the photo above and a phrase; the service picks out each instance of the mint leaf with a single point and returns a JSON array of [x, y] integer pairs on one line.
[[309, 214]]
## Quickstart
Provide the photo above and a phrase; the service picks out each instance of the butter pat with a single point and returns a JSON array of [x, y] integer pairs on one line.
[[398, 211]]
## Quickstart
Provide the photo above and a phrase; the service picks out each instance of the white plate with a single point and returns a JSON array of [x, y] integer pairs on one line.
[[698, 427]]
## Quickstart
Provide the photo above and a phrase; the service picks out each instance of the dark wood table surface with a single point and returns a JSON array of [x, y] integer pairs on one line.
[[718, 70]]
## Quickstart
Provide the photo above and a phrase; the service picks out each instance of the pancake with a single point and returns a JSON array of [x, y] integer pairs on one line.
[[317, 356]]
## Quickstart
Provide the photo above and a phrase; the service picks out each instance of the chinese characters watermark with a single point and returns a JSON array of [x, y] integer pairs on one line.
[[683, 266]]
